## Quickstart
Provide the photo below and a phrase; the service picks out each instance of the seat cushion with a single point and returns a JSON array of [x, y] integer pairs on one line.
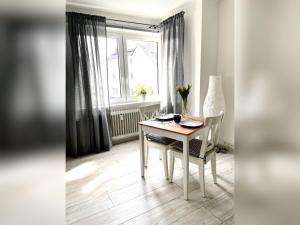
[[195, 146], [159, 139]]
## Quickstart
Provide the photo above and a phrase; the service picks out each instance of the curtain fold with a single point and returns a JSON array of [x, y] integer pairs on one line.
[[172, 54], [87, 112]]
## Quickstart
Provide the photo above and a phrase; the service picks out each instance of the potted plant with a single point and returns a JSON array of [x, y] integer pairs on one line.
[[142, 91], [184, 92]]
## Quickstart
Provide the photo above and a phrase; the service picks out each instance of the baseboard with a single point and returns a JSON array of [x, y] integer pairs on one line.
[[123, 139]]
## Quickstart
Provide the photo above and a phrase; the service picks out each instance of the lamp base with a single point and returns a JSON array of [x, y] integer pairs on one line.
[[224, 148]]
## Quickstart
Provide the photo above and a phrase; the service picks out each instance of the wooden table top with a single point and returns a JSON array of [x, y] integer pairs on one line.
[[172, 126]]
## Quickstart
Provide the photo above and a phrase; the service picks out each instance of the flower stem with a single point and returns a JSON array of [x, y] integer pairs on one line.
[[184, 105]]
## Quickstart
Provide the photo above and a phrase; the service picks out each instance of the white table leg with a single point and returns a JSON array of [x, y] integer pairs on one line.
[[142, 150], [186, 168]]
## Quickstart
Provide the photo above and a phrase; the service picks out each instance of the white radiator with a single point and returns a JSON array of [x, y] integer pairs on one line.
[[125, 124]]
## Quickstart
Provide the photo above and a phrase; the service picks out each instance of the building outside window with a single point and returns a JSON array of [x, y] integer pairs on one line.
[[133, 61]]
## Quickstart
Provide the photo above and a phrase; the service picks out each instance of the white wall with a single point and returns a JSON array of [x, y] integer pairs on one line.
[[217, 56], [209, 45], [225, 64]]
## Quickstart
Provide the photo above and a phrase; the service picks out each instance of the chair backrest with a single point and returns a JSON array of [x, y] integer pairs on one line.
[[211, 138], [149, 112]]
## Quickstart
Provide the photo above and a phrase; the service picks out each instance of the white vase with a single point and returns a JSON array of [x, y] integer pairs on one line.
[[214, 102]]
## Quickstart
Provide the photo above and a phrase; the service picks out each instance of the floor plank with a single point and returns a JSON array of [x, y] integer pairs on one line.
[[135, 207], [107, 188], [198, 217], [88, 208], [164, 214]]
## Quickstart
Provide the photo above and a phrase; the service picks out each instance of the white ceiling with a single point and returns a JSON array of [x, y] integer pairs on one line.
[[139, 8]]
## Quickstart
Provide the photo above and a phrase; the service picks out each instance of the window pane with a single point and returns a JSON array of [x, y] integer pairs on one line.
[[113, 68], [142, 65]]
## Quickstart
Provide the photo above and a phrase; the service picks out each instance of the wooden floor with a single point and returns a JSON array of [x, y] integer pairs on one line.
[[107, 188]]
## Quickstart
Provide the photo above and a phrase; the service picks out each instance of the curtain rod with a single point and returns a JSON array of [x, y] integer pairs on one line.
[[123, 21], [88, 6], [150, 28], [132, 25]]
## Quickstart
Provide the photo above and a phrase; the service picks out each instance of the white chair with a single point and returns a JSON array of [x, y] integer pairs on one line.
[[200, 151], [153, 140]]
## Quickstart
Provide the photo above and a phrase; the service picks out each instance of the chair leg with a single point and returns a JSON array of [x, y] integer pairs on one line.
[[165, 161], [213, 167], [146, 153], [172, 159], [201, 178]]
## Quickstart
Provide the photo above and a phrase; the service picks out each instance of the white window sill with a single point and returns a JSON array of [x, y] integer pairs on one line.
[[131, 105]]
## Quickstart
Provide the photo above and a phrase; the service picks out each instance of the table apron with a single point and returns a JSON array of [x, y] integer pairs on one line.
[[169, 134]]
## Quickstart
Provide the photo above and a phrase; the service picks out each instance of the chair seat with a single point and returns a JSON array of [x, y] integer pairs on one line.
[[194, 147], [159, 139]]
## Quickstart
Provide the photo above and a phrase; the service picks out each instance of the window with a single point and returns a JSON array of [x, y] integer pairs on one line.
[[133, 60], [113, 68], [143, 57]]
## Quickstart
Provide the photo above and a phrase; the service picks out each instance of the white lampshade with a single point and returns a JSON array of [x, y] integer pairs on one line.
[[214, 102]]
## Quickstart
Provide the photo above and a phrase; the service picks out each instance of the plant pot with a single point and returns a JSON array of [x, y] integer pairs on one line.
[[143, 97]]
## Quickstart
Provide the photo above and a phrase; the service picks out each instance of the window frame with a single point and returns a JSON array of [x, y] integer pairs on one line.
[[122, 36], [118, 37]]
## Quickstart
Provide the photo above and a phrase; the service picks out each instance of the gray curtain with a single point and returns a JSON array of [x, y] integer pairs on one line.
[[172, 41], [87, 97]]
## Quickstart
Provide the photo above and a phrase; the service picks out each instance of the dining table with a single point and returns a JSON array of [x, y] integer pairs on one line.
[[175, 131]]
